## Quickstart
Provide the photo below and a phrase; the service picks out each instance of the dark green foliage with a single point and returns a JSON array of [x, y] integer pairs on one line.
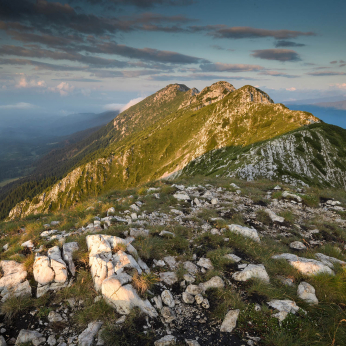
[[315, 143]]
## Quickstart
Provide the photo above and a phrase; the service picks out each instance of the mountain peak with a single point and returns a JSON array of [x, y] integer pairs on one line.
[[251, 94], [209, 95]]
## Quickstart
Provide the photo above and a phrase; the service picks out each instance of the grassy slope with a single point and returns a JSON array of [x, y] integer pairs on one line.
[[320, 146], [171, 143], [321, 326]]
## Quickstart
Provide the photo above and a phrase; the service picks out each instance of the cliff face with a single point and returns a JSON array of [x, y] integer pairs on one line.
[[313, 155], [235, 118]]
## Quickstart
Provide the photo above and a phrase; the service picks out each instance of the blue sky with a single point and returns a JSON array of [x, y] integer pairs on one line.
[[61, 57]]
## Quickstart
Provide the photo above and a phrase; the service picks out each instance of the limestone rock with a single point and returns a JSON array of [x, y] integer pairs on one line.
[[193, 289], [124, 298], [171, 262], [256, 271], [230, 321], [307, 292], [30, 336], [297, 245], [58, 265], [2, 341], [166, 341], [169, 278], [205, 263], [306, 266], [29, 244], [328, 260], [182, 196], [68, 249], [188, 298], [285, 305], [190, 342], [214, 282], [245, 232], [86, 338], [191, 267], [168, 314], [13, 281], [53, 316], [233, 257], [274, 217], [167, 298], [288, 195]]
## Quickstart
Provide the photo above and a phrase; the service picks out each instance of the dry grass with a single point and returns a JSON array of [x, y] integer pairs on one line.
[[144, 281]]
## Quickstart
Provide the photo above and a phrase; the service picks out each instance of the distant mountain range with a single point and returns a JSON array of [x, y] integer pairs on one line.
[[180, 131], [337, 105]]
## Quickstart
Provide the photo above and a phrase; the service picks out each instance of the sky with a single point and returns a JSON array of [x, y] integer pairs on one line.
[[74, 56]]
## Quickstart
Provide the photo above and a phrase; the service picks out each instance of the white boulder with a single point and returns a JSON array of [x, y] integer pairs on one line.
[[230, 321], [245, 232], [307, 292], [252, 271], [306, 266]]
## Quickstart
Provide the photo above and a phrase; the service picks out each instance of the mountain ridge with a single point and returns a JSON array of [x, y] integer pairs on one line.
[[170, 140]]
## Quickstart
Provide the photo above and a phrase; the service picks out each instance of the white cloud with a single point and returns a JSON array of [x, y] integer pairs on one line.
[[341, 86], [24, 83], [121, 107], [131, 103], [63, 88], [291, 89], [19, 105]]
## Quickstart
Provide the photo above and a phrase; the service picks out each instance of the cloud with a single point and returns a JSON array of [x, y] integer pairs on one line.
[[59, 55], [121, 107], [341, 86], [284, 43], [241, 32], [144, 3], [24, 83], [276, 54], [122, 73], [51, 17], [19, 105], [196, 76], [221, 67], [326, 73], [334, 62], [277, 74], [149, 54], [41, 65], [131, 103], [291, 89], [87, 80], [63, 88], [216, 46]]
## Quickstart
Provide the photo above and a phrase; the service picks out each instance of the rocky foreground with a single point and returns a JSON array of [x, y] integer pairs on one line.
[[207, 263]]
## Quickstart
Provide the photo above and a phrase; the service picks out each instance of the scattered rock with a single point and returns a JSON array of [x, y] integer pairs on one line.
[[297, 245], [306, 266], [167, 298], [230, 321], [233, 257], [205, 263], [166, 341], [245, 232], [169, 278], [274, 217], [307, 292], [251, 271], [30, 336], [214, 282], [86, 338]]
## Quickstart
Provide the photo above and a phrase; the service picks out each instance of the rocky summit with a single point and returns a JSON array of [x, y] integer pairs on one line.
[[191, 261]]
